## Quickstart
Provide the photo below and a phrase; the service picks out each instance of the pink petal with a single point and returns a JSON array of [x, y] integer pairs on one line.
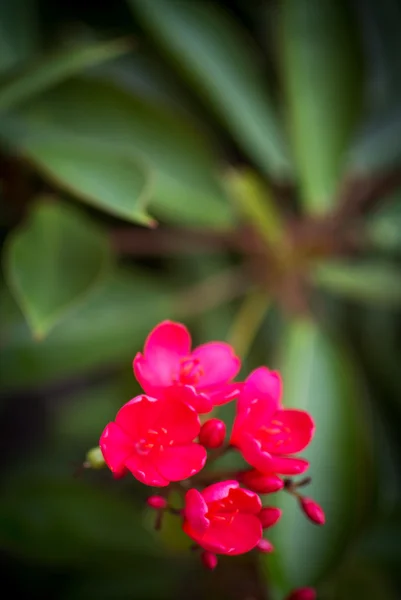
[[147, 377], [289, 466], [288, 432], [195, 511], [188, 395], [138, 415], [218, 491], [143, 468], [218, 362], [236, 536], [179, 421], [164, 346], [265, 386], [116, 447], [225, 393], [176, 463], [251, 450], [246, 501]]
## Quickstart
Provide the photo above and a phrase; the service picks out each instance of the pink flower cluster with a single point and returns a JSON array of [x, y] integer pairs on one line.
[[158, 437]]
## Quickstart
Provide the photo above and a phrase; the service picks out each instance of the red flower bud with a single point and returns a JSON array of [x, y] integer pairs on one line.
[[212, 433], [313, 511], [156, 502], [269, 516], [209, 560], [302, 594], [260, 482], [265, 546]]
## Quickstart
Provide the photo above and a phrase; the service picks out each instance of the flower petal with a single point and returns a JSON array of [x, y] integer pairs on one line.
[[176, 463], [138, 415], [147, 377], [220, 490], [116, 447], [265, 386], [237, 536], [218, 362], [245, 500], [289, 466], [252, 452], [164, 346], [288, 432], [180, 421], [195, 511], [225, 393], [187, 394], [143, 468]]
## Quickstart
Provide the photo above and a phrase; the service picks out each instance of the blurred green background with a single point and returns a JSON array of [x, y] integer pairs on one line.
[[235, 166]]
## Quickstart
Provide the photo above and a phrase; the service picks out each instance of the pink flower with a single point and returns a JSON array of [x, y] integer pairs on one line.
[[262, 483], [212, 433], [265, 432], [313, 511], [167, 362], [269, 515], [302, 594], [153, 439], [223, 518]]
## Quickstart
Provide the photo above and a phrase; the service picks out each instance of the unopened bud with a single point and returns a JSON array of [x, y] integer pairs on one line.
[[302, 594], [265, 546], [209, 560], [94, 459], [269, 516], [260, 482], [313, 511], [212, 433], [156, 502]]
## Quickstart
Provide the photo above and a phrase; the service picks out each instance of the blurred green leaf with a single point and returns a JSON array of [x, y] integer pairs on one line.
[[56, 68], [370, 281], [380, 544], [218, 58], [318, 377], [18, 32], [53, 262], [108, 179], [68, 522], [383, 227], [320, 59], [107, 330], [358, 580], [185, 187], [378, 145]]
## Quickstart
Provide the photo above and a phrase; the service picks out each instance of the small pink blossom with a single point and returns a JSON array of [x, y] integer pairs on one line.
[[313, 510], [223, 518], [209, 560], [168, 362], [153, 439], [266, 433], [212, 433], [302, 594], [265, 546], [156, 502], [262, 483], [269, 516]]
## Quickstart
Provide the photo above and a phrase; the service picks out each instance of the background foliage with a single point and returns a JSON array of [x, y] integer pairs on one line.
[[236, 166]]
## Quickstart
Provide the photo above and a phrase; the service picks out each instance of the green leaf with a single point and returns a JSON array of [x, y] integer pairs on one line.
[[358, 580], [108, 179], [56, 68], [53, 262], [322, 83], [67, 522], [378, 145], [318, 377], [107, 330], [185, 186], [219, 59], [370, 281], [383, 228], [18, 32]]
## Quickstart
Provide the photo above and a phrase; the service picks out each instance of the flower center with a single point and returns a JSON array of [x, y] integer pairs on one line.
[[222, 510], [274, 436], [153, 439], [190, 371]]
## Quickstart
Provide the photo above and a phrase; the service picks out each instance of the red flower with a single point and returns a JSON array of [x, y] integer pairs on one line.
[[265, 432], [262, 483], [167, 362], [223, 518], [212, 433], [313, 510], [154, 440]]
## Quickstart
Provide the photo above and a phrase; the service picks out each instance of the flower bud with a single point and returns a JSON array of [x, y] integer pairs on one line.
[[212, 433], [265, 546], [269, 516], [302, 594], [94, 459], [313, 511], [260, 482], [156, 502], [209, 560]]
